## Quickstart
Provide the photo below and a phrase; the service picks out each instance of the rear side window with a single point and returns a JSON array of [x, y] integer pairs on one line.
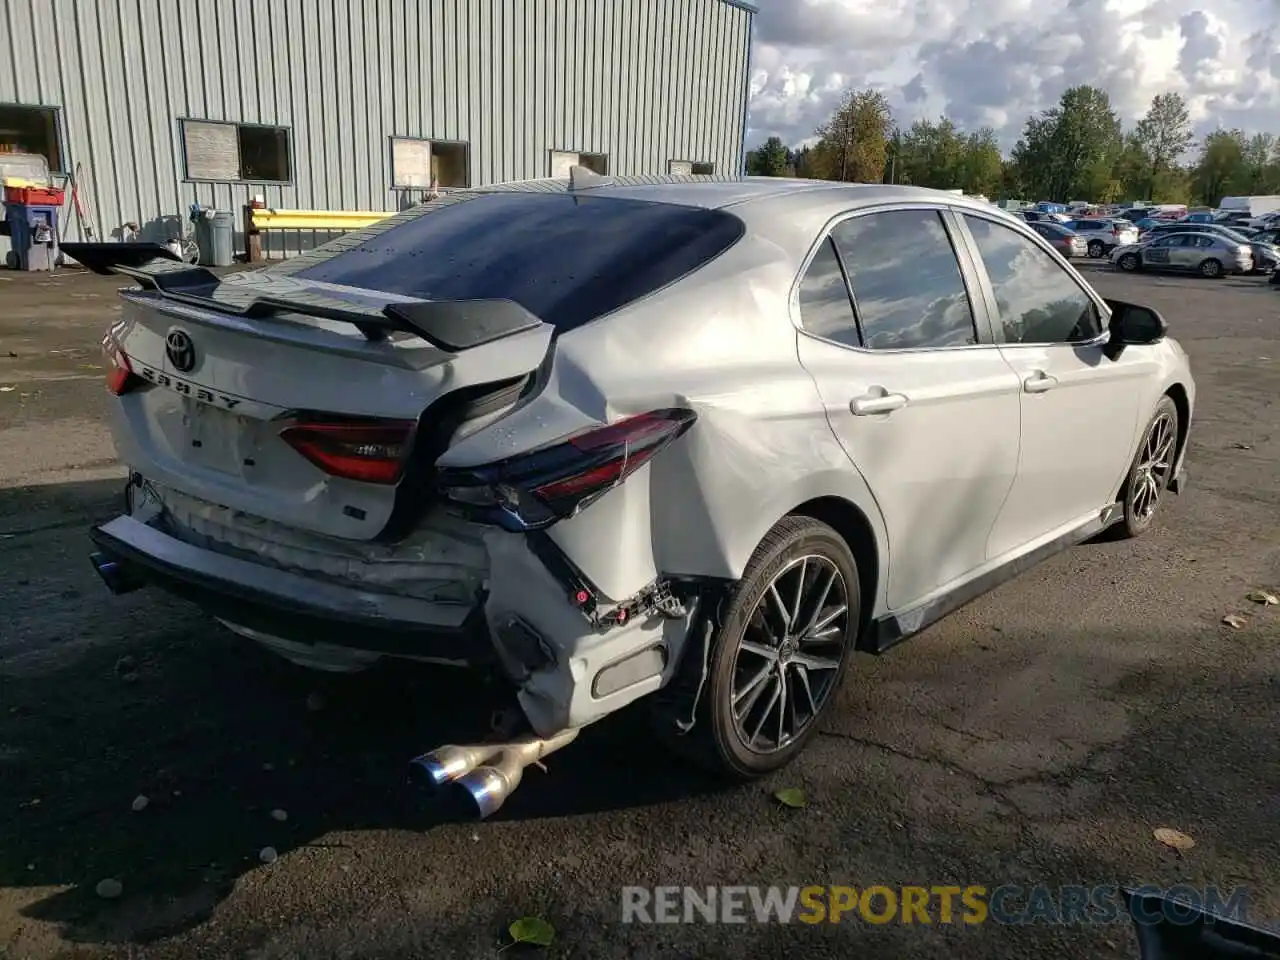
[[567, 259], [825, 310], [907, 287]]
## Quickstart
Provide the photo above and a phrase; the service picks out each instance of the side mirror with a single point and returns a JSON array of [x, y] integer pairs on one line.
[[1132, 324]]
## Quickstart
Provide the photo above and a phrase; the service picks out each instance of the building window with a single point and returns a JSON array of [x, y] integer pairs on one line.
[[26, 129], [686, 168], [236, 151], [562, 160], [415, 163]]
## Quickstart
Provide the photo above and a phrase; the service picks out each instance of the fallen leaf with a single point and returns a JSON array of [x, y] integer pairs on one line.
[[1263, 597], [7, 389], [532, 930], [1242, 446], [1235, 621], [1174, 839], [792, 797]]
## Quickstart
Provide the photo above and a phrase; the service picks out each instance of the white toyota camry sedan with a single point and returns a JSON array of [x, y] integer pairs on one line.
[[697, 440]]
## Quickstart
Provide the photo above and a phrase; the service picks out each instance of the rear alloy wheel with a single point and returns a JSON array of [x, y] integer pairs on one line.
[[1129, 262], [1095, 249], [785, 639], [1150, 471], [1211, 268]]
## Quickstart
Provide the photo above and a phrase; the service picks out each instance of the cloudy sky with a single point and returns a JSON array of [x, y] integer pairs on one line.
[[992, 62]]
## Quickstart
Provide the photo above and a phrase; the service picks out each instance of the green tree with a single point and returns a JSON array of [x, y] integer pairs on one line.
[[1258, 173], [1220, 166], [1065, 150], [1163, 135], [770, 159], [983, 168], [853, 144], [931, 154]]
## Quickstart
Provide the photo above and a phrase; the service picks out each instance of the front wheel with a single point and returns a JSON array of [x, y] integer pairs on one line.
[[1129, 262], [1095, 249], [1211, 268], [785, 637], [1151, 470]]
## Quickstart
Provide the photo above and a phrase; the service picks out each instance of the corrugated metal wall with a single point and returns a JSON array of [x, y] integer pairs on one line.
[[643, 81]]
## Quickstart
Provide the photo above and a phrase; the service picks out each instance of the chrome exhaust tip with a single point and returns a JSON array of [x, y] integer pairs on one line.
[[446, 764], [485, 774]]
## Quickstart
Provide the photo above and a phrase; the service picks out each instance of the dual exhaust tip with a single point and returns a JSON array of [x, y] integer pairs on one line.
[[485, 774]]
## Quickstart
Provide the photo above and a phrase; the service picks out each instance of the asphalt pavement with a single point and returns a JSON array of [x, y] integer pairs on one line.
[[1038, 736]]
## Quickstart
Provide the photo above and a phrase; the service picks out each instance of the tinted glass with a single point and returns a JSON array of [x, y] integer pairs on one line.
[[1054, 231], [1090, 225], [1039, 301], [825, 310], [567, 259], [907, 286]]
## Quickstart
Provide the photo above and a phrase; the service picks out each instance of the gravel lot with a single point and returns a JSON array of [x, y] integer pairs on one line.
[[1038, 736]]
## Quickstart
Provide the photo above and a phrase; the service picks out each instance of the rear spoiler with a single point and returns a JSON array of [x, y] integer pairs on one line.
[[452, 325]]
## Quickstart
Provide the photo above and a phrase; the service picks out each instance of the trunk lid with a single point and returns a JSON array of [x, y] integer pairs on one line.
[[217, 378]]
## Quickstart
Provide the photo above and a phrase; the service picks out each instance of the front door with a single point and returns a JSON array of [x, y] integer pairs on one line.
[[1079, 409], [925, 411]]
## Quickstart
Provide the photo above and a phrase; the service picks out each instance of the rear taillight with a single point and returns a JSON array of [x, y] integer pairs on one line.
[[371, 451], [536, 489], [120, 376]]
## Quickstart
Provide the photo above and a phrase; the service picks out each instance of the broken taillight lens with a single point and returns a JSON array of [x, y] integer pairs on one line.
[[371, 451], [120, 376], [536, 489]]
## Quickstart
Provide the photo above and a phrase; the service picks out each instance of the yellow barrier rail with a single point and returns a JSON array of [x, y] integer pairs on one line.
[[333, 220]]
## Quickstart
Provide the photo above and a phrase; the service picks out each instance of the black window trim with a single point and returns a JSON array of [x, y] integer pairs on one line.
[[989, 293], [984, 329], [288, 133], [59, 127]]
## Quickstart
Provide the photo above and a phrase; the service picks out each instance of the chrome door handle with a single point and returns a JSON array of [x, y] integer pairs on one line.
[[1039, 383], [877, 403]]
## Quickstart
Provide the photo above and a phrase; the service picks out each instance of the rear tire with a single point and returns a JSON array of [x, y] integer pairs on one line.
[[784, 638], [1095, 249], [1129, 262], [1150, 471], [1211, 268]]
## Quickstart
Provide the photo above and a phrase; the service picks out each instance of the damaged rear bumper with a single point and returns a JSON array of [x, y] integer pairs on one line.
[[287, 605]]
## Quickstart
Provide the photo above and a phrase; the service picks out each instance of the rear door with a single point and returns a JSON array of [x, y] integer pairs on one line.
[[1079, 410], [1159, 253], [923, 403]]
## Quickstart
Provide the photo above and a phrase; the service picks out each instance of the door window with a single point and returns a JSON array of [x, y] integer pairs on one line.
[[825, 310], [907, 288], [1039, 302]]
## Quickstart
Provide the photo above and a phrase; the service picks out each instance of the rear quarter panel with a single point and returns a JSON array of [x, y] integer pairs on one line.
[[718, 342]]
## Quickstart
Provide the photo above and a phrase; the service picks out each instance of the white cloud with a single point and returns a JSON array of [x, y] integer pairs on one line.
[[994, 62]]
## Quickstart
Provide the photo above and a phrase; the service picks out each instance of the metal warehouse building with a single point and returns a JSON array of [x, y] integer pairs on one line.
[[359, 104]]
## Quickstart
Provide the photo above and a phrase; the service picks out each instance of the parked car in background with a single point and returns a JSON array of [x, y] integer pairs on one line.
[[499, 484], [1066, 241], [1207, 254], [1164, 229], [1102, 235], [1202, 217], [1040, 216], [1232, 218]]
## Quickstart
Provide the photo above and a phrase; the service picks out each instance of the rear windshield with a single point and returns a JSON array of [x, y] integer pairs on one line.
[[567, 259]]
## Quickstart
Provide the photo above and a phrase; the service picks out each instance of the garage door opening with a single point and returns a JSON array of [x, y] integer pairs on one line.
[[562, 160], [25, 129], [686, 168]]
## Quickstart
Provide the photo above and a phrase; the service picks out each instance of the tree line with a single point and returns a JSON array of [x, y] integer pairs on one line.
[[1077, 150]]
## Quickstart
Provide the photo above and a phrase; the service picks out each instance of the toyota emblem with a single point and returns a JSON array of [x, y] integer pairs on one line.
[[180, 351]]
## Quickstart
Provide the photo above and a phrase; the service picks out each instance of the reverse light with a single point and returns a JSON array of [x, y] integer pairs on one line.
[[120, 376], [536, 489], [370, 451]]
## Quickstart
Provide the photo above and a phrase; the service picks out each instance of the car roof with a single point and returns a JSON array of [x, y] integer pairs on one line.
[[788, 211]]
